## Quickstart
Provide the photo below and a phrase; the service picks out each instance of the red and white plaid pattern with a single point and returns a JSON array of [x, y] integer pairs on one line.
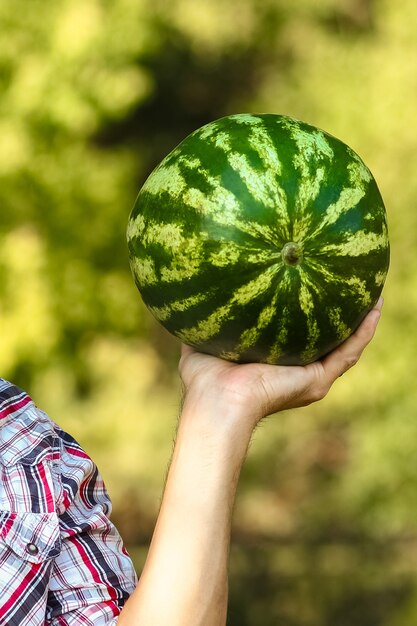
[[62, 562]]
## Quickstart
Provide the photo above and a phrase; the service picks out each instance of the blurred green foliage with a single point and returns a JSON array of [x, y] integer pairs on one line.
[[94, 94]]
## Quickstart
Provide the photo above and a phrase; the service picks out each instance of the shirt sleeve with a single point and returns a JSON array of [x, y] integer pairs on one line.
[[93, 575]]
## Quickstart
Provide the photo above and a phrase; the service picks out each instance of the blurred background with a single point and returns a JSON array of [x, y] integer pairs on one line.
[[93, 94]]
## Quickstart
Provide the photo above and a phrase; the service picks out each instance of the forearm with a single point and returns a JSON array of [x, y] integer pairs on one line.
[[184, 580]]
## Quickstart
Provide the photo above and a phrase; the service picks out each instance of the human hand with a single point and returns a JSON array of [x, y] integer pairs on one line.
[[256, 390]]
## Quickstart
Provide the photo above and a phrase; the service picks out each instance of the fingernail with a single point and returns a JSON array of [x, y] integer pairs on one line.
[[379, 303]]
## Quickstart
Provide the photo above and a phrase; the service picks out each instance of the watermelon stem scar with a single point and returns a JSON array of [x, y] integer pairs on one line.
[[292, 253]]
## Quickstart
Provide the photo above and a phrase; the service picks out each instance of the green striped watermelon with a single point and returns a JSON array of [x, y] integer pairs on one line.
[[260, 238]]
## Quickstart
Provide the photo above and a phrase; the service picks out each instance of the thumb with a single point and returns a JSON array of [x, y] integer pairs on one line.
[[348, 353]]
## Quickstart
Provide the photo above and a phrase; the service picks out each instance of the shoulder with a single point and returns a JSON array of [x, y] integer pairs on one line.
[[30, 439], [27, 434], [13, 402]]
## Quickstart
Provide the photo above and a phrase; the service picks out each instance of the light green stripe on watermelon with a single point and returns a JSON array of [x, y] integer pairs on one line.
[[278, 348], [360, 290], [311, 145], [144, 270], [260, 140], [352, 285], [186, 251], [166, 178], [358, 244], [358, 172], [206, 132], [335, 319], [379, 278], [250, 336], [312, 149], [228, 254], [347, 200], [135, 227], [261, 184], [207, 328], [165, 312], [150, 232], [225, 209], [221, 204], [308, 308], [302, 221]]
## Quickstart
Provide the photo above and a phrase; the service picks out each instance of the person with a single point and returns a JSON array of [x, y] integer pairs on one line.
[[62, 562]]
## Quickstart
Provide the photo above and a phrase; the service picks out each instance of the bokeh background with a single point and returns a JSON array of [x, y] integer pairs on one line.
[[93, 93]]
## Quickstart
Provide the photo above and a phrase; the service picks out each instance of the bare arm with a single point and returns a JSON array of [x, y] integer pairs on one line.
[[184, 580]]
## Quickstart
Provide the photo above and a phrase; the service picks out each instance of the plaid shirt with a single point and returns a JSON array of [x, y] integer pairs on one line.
[[62, 562]]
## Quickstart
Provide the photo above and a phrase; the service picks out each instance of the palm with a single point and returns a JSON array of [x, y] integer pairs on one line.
[[263, 389], [259, 388]]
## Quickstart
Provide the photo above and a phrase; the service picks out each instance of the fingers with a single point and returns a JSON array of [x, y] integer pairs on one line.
[[280, 387], [185, 349], [349, 352]]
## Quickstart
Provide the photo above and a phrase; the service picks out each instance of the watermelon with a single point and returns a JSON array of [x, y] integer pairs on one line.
[[260, 238]]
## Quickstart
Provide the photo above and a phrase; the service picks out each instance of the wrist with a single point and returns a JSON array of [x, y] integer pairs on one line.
[[220, 432], [223, 424]]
